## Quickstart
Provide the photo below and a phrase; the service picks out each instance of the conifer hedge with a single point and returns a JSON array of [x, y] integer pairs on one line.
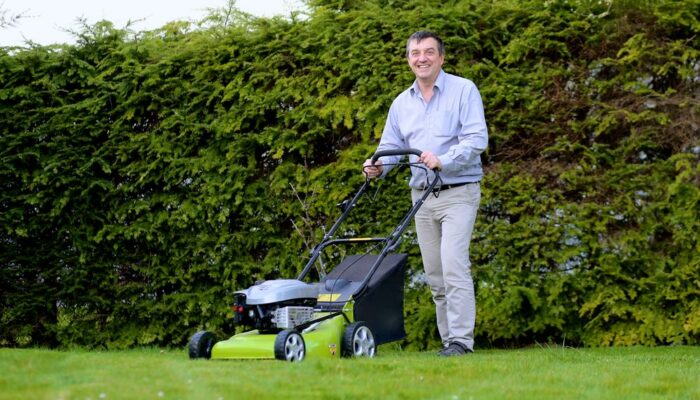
[[146, 175]]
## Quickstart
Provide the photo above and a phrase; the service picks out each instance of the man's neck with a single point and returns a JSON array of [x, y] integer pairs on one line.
[[426, 88]]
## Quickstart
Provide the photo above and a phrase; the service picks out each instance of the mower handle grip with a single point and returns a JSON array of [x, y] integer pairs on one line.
[[395, 152]]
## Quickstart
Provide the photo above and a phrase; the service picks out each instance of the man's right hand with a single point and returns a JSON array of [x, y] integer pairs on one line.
[[372, 171]]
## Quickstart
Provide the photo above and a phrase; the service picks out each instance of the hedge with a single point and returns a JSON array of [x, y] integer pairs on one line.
[[147, 175]]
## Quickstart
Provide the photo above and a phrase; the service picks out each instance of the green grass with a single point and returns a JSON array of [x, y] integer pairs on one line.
[[536, 373]]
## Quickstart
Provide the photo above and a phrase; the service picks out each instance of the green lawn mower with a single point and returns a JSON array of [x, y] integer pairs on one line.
[[354, 308]]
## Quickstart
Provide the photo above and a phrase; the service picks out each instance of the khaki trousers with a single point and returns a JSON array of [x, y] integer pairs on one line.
[[444, 228]]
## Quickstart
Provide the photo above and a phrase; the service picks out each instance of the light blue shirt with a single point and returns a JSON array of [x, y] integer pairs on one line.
[[451, 125]]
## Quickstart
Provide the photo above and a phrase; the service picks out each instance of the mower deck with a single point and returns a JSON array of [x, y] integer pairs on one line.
[[323, 340]]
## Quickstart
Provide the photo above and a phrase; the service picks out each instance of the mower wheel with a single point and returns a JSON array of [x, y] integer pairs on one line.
[[201, 344], [290, 346], [358, 341]]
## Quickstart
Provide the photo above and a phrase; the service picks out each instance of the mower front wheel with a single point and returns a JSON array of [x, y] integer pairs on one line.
[[201, 344], [290, 346], [358, 341]]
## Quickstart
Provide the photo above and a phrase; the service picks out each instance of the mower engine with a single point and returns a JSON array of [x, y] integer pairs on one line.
[[274, 305]]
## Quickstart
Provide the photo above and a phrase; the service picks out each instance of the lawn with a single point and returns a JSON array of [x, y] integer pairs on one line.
[[534, 373]]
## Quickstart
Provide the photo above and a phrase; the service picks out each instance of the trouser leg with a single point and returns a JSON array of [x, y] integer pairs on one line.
[[429, 233], [444, 227]]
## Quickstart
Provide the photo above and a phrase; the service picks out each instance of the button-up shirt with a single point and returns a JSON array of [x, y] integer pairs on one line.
[[452, 125]]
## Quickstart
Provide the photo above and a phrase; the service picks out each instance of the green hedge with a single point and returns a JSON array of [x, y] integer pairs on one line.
[[146, 175]]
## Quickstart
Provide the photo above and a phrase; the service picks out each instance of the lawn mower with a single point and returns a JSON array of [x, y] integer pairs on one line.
[[351, 310]]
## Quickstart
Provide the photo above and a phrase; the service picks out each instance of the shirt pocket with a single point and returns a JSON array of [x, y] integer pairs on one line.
[[442, 123]]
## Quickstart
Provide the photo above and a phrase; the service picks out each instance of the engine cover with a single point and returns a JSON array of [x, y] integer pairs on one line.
[[279, 290]]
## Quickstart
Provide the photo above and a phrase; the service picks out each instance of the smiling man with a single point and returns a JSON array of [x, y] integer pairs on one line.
[[443, 116]]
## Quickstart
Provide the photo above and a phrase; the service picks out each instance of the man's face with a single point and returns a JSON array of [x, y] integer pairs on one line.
[[425, 59]]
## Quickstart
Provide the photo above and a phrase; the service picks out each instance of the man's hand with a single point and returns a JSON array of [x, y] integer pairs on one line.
[[372, 171], [430, 160]]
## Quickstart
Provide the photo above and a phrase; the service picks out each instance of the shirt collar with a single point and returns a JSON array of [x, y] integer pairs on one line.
[[439, 83]]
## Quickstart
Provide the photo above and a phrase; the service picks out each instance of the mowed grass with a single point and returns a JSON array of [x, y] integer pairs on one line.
[[535, 373]]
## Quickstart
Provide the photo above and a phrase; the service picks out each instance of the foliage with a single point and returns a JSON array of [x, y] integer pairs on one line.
[[147, 175]]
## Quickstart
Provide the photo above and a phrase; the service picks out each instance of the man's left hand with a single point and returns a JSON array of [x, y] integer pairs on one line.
[[430, 160]]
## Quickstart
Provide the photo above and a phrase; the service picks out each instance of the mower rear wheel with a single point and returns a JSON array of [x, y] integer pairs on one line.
[[358, 341], [290, 346], [201, 345]]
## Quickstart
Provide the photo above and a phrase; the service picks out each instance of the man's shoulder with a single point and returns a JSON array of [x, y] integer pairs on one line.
[[404, 95], [409, 91], [455, 80]]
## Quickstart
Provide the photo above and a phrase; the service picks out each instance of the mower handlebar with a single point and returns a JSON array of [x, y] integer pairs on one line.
[[395, 152]]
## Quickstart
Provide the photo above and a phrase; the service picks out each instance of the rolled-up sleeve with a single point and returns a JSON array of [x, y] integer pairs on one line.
[[473, 135]]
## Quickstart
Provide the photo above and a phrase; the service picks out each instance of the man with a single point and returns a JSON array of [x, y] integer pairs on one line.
[[443, 116]]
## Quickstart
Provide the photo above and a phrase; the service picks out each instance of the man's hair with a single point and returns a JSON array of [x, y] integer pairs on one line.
[[420, 35]]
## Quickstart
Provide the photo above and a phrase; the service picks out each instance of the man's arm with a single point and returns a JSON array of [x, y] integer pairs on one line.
[[392, 139], [473, 136]]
